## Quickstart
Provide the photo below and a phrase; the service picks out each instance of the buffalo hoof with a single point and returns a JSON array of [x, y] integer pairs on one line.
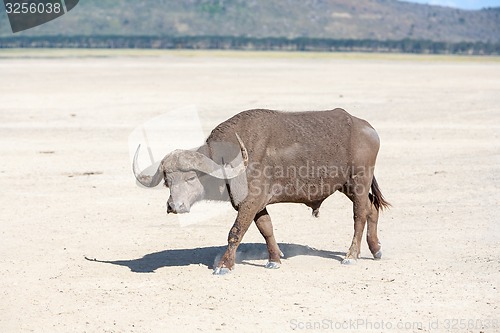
[[378, 255], [273, 265], [349, 261], [221, 271]]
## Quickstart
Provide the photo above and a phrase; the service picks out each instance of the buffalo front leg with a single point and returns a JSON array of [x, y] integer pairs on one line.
[[246, 213], [265, 226]]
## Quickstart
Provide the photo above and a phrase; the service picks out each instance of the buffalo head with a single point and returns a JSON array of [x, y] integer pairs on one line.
[[181, 171]]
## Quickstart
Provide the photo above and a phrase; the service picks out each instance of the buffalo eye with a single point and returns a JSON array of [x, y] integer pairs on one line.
[[191, 179]]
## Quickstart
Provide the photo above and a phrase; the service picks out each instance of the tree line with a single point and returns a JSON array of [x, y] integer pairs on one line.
[[251, 43]]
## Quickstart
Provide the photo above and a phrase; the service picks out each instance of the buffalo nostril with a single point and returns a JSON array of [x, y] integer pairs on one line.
[[176, 208], [170, 208]]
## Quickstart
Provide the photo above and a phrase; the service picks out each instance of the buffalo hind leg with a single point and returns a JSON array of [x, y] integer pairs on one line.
[[360, 216], [371, 233], [246, 213], [265, 226], [358, 193]]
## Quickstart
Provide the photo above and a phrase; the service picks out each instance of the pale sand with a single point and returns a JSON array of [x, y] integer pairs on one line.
[[63, 116]]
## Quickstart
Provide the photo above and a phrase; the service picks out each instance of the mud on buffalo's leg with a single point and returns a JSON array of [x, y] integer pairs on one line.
[[371, 234], [265, 226], [246, 213]]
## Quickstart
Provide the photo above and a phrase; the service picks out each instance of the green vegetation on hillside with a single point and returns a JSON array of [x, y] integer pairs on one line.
[[253, 44]]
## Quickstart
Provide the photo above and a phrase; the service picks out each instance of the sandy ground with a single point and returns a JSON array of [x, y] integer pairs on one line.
[[67, 192]]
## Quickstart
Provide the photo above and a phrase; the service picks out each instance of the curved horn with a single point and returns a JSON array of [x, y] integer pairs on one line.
[[142, 177], [185, 160]]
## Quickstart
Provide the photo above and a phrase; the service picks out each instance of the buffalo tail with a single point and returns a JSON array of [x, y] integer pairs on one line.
[[377, 198]]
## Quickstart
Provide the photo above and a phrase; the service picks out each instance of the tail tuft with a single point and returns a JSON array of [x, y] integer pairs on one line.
[[377, 198]]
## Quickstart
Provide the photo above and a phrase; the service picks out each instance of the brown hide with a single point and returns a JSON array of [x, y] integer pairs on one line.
[[300, 157]]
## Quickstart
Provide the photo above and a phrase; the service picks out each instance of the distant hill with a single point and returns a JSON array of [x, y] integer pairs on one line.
[[331, 19]]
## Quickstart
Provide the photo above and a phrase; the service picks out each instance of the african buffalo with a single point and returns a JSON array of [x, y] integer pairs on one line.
[[260, 157]]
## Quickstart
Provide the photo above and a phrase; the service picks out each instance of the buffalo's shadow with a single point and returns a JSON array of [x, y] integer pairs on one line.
[[207, 256]]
